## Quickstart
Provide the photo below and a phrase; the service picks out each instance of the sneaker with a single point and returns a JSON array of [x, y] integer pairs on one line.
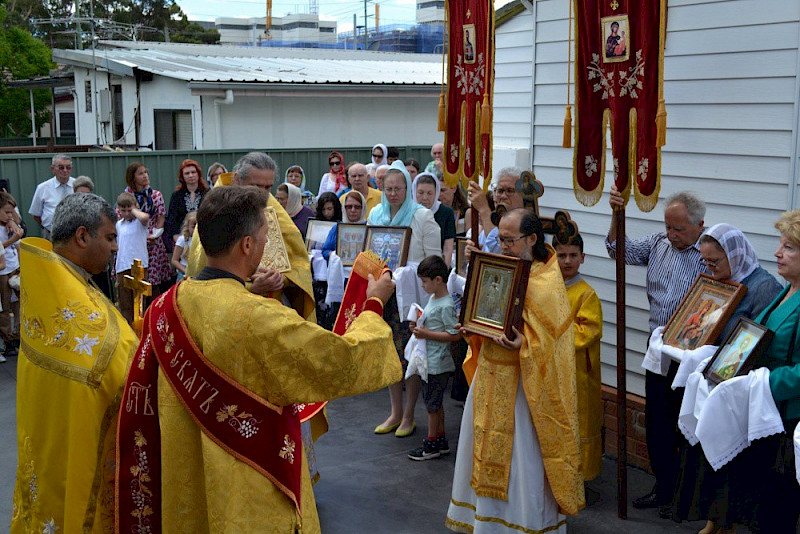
[[444, 447], [2, 359], [428, 451]]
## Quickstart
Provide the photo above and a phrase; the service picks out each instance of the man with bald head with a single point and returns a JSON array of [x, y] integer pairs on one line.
[[673, 262], [359, 181], [437, 153]]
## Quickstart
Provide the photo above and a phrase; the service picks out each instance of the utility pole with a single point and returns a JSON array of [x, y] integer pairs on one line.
[[355, 33], [95, 103], [366, 45]]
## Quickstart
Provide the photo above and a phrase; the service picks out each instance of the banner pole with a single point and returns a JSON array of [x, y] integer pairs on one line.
[[622, 431]]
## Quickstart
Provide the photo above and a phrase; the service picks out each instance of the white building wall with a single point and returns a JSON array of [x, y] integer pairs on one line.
[[88, 132], [168, 93], [320, 121], [732, 91]]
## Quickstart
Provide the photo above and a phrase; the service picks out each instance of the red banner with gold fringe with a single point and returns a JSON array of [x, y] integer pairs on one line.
[[470, 80], [355, 294], [619, 83]]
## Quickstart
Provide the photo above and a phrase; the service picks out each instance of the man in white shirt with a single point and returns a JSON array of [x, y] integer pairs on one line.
[[50, 192]]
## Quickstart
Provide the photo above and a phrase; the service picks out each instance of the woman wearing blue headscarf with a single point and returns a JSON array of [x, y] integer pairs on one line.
[[397, 208]]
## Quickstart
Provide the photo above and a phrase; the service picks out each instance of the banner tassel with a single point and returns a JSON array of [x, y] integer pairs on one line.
[[442, 120], [567, 142], [661, 124], [486, 116]]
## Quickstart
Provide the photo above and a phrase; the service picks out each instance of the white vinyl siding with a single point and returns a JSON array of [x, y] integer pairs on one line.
[[731, 89]]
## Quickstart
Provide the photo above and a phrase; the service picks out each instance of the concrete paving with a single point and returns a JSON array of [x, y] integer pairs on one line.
[[369, 485]]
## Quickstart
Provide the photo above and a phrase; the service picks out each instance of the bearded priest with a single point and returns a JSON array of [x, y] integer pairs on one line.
[[220, 377]]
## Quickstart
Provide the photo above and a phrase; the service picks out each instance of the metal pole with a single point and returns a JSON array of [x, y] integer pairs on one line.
[[622, 431], [33, 118], [355, 33], [94, 82], [366, 45]]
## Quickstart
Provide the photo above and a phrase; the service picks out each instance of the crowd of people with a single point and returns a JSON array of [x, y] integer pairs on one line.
[[212, 381]]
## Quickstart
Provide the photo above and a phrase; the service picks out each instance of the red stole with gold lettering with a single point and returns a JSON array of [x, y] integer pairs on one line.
[[619, 59], [355, 294], [264, 436]]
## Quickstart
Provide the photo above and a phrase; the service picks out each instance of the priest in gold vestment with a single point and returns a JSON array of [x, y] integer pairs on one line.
[[269, 351], [71, 368], [518, 461]]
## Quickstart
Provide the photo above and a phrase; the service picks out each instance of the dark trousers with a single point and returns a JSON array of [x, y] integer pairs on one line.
[[662, 407]]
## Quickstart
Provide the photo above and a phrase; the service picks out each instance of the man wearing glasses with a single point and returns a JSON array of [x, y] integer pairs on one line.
[[505, 195], [49, 193]]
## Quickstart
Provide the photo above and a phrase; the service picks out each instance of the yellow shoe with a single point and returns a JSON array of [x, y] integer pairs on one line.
[[380, 429], [405, 433]]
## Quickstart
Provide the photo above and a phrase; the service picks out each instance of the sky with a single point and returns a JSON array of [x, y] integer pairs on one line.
[[391, 11]]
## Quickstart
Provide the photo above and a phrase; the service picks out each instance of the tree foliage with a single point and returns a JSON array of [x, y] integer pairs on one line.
[[21, 57]]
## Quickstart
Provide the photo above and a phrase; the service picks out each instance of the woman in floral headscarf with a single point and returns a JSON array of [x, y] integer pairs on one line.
[[729, 255], [334, 181]]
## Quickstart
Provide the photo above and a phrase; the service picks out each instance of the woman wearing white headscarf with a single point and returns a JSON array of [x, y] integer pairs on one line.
[[291, 198], [379, 155], [729, 255], [425, 190], [398, 208]]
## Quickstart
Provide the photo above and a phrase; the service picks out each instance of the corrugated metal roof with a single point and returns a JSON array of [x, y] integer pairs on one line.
[[208, 63]]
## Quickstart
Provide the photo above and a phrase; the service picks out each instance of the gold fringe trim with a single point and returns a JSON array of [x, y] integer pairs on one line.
[[661, 124], [567, 141], [368, 262], [486, 116], [442, 113]]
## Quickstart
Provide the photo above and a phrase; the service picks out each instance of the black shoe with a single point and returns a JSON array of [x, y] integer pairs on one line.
[[444, 447], [428, 451], [651, 500], [665, 512]]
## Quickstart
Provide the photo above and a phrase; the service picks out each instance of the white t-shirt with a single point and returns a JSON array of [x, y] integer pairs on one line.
[[184, 244], [11, 253], [132, 243]]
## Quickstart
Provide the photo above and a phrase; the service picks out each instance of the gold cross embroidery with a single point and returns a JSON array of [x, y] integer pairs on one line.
[[469, 13], [350, 316], [614, 4]]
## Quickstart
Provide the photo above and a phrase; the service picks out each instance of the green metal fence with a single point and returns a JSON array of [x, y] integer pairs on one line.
[[107, 169]]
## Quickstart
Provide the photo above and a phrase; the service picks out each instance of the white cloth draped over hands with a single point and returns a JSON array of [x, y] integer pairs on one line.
[[408, 288], [733, 415], [416, 351]]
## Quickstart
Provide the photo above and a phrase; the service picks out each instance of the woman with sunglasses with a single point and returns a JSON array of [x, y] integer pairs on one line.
[[334, 181]]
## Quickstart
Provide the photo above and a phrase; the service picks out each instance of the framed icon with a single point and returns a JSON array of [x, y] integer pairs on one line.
[[317, 232], [390, 243], [703, 313], [275, 255], [350, 239], [494, 295], [469, 44], [616, 39], [739, 352]]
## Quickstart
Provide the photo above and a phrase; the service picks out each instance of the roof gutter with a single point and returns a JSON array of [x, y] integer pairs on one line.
[[218, 89], [227, 101]]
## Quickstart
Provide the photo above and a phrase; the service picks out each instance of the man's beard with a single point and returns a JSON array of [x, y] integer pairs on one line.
[[526, 254]]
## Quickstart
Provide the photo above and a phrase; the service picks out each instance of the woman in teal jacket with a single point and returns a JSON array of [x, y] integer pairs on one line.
[[764, 492]]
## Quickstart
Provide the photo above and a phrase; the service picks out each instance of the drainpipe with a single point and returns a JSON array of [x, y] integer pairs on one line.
[[228, 100]]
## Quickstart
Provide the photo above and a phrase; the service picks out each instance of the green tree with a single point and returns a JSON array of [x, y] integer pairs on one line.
[[22, 56]]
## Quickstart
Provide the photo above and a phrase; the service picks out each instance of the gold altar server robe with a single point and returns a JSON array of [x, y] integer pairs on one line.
[[297, 289], [587, 318], [268, 349], [72, 364], [546, 365]]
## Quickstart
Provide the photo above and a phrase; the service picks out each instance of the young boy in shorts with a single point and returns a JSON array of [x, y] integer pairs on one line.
[[438, 332]]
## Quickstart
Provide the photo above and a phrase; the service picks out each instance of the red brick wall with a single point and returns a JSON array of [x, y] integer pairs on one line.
[[634, 417]]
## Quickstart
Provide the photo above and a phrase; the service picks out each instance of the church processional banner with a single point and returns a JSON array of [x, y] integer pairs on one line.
[[467, 117], [619, 82]]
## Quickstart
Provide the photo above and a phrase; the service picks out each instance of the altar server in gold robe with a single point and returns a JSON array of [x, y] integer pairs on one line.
[[587, 318], [257, 359], [71, 369], [518, 461]]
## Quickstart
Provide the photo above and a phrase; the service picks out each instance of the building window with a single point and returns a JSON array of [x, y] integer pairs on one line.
[[66, 124], [173, 129], [87, 92], [323, 29], [438, 4]]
